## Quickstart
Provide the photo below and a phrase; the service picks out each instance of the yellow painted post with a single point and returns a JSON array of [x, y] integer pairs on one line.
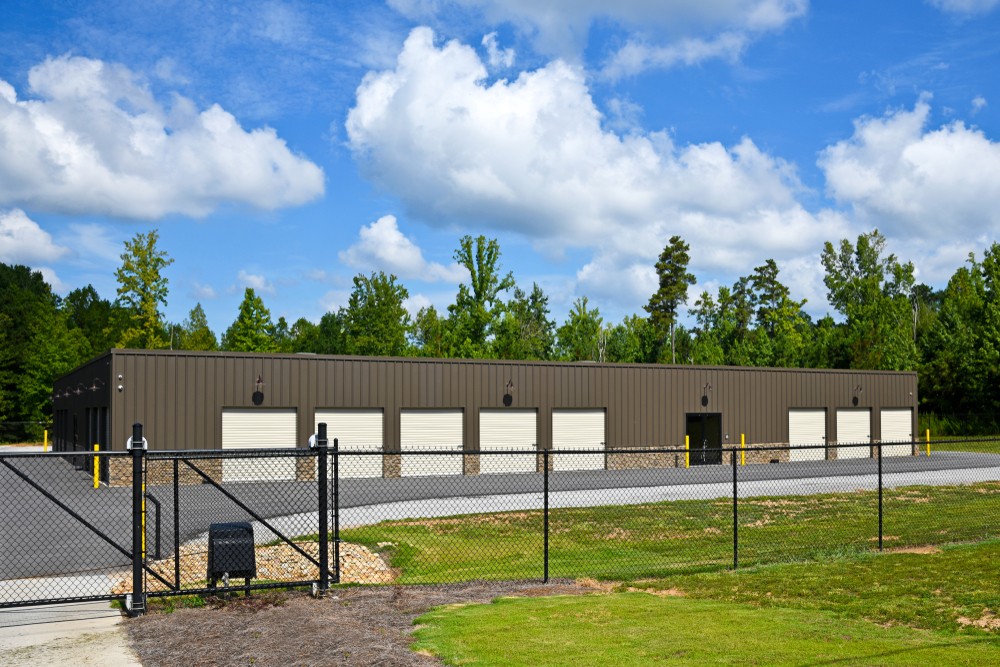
[[45, 441], [928, 442], [743, 451], [687, 451], [97, 467]]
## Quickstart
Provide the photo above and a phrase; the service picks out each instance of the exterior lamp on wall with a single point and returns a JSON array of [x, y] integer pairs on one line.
[[857, 393], [96, 384], [258, 390], [704, 394], [508, 396]]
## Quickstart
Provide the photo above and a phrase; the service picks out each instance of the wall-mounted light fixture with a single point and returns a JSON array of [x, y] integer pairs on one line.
[[508, 396], [704, 394], [258, 390], [857, 395], [96, 384]]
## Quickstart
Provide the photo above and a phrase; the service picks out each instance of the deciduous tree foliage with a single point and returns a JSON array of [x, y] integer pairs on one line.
[[872, 290], [142, 289], [580, 337], [479, 304], [195, 334], [376, 322]]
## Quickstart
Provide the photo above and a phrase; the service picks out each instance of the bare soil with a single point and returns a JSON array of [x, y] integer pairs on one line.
[[369, 625]]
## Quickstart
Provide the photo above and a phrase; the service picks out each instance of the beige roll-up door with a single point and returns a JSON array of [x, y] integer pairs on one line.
[[355, 430], [853, 427], [578, 429], [897, 427], [430, 430], [807, 427], [506, 430], [255, 428]]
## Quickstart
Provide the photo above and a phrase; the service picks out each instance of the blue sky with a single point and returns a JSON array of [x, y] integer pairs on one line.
[[288, 146]]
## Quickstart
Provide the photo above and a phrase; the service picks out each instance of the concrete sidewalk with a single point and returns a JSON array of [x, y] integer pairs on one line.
[[86, 633]]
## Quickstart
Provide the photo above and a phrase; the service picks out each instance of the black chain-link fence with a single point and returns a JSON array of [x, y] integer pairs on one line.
[[260, 519]]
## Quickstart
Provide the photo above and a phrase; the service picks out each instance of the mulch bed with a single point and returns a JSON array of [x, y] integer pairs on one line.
[[369, 625]]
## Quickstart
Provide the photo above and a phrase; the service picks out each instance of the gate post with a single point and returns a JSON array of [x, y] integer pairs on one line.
[[545, 510], [879, 452], [135, 602], [736, 514], [336, 510], [324, 515]]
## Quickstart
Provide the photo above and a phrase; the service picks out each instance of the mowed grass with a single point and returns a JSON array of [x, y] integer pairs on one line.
[[888, 609], [657, 539]]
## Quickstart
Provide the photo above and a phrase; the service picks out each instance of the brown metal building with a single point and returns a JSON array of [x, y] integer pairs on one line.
[[213, 400]]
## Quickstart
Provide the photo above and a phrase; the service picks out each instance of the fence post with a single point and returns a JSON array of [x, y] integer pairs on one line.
[[135, 602], [545, 510], [336, 510], [879, 450], [324, 517], [177, 524], [736, 516]]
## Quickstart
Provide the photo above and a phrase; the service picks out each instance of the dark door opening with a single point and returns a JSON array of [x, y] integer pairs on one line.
[[704, 433]]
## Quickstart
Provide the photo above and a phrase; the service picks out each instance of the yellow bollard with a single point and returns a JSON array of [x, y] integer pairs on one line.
[[743, 451], [928, 442], [97, 467], [45, 441], [687, 451]]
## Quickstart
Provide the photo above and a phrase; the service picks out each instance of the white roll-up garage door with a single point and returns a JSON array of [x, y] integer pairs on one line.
[[430, 430], [255, 428], [896, 427], [853, 427], [578, 429], [807, 427], [506, 430], [355, 430]]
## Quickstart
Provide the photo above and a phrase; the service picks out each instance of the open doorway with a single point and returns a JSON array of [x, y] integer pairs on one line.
[[704, 431]]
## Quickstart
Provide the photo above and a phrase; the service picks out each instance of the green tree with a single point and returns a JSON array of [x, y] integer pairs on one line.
[[872, 290], [779, 317], [252, 330], [579, 338], [93, 316], [674, 280], [631, 341], [525, 330], [377, 323], [195, 334], [36, 346], [430, 334], [142, 289], [479, 304]]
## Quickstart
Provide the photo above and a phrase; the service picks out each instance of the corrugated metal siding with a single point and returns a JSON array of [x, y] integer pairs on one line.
[[179, 396]]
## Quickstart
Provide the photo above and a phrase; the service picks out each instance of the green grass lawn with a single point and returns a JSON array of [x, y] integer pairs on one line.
[[889, 609], [653, 540]]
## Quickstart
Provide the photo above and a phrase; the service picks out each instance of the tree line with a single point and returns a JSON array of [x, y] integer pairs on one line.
[[887, 322]]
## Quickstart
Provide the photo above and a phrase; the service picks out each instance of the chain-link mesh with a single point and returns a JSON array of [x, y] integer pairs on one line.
[[60, 538], [445, 515]]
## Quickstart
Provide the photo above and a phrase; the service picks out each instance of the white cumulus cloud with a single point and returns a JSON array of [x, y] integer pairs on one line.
[[659, 33], [533, 156], [23, 241], [255, 281], [902, 176], [381, 246], [92, 139]]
